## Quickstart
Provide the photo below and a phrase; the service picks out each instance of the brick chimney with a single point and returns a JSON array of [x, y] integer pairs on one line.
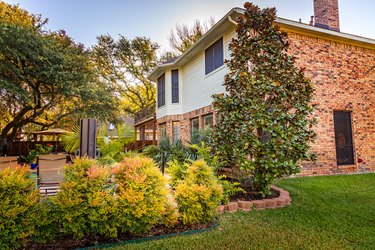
[[327, 14]]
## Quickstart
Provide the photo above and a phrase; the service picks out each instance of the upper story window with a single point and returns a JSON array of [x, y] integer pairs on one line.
[[175, 90], [214, 56], [161, 91]]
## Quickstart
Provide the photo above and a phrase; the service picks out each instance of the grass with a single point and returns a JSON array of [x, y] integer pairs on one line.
[[331, 212]]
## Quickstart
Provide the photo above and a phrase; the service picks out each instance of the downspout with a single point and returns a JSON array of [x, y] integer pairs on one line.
[[232, 21]]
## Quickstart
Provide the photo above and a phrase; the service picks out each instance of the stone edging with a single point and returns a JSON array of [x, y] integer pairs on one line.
[[278, 202]]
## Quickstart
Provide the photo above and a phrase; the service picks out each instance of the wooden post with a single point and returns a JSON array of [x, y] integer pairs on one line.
[[154, 133], [88, 138], [143, 136]]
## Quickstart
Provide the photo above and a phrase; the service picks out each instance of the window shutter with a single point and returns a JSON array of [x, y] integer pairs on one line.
[[218, 53], [209, 59], [175, 87], [161, 91]]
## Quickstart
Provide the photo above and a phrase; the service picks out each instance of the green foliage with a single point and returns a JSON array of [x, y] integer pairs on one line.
[[43, 150], [199, 136], [46, 221], [45, 77], [198, 195], [177, 172], [111, 149], [30, 157], [141, 195], [15, 15], [166, 152], [125, 65], [202, 151], [265, 122], [229, 189], [70, 140], [18, 200], [85, 204], [39, 150]]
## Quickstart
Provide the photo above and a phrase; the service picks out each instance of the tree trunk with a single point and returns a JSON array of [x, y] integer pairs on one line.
[[5, 142]]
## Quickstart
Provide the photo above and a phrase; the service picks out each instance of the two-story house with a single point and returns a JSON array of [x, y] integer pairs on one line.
[[341, 67]]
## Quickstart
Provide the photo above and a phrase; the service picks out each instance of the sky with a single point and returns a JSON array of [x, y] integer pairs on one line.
[[84, 20]]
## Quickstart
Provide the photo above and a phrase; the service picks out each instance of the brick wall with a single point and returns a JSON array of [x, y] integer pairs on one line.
[[327, 14], [344, 79], [185, 122]]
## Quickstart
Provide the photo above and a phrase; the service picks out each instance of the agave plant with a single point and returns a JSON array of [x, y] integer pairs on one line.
[[166, 152]]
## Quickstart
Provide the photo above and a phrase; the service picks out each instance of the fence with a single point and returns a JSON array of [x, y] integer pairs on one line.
[[23, 147], [136, 145]]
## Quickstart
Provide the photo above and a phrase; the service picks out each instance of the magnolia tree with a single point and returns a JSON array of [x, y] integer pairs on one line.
[[265, 122]]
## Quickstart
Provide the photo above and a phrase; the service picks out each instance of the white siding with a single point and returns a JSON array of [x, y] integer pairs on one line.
[[170, 108], [198, 88]]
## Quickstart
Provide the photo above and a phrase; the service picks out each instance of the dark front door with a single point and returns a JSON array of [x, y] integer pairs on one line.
[[343, 138]]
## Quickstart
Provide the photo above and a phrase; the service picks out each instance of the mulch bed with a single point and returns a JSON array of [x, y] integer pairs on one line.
[[251, 195], [64, 243]]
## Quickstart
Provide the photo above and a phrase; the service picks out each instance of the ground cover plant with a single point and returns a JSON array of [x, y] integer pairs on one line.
[[330, 212]]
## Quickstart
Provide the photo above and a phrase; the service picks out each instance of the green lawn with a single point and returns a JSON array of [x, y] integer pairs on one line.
[[331, 212]]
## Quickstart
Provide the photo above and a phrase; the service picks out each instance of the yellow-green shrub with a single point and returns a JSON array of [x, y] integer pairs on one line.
[[199, 194], [141, 195], [46, 221], [177, 171], [85, 202], [18, 199]]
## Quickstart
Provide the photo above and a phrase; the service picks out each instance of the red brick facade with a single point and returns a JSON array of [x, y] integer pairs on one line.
[[344, 80], [185, 122]]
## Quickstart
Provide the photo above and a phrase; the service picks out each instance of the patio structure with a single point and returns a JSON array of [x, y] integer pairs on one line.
[[145, 127]]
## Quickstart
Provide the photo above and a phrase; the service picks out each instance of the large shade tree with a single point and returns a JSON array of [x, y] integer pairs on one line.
[[125, 64], [265, 122], [44, 76]]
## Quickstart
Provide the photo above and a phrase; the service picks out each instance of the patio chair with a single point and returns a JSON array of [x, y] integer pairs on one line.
[[51, 168], [8, 161]]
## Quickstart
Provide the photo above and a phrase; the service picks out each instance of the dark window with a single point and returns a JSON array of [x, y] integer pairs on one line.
[[208, 120], [176, 131], [214, 56], [161, 91], [163, 130], [194, 128], [343, 138], [175, 96]]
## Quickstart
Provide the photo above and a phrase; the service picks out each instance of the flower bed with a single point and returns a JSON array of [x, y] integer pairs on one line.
[[248, 205]]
